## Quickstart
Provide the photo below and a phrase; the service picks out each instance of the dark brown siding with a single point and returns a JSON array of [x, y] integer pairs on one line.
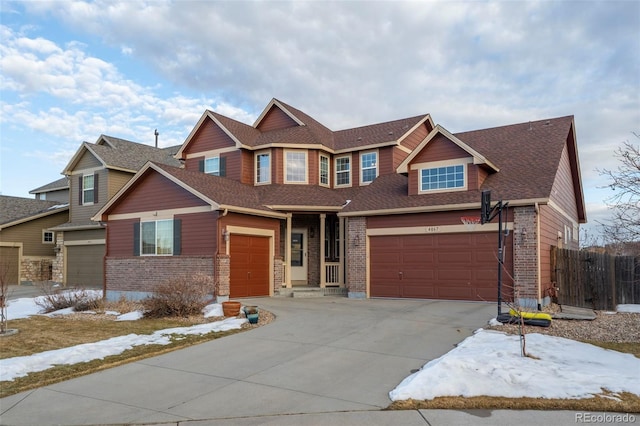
[[155, 192], [234, 164], [551, 223], [313, 172], [120, 238], [275, 119], [438, 149], [236, 219], [247, 166], [199, 234], [277, 165], [385, 162], [355, 169], [208, 137], [417, 136], [398, 157]]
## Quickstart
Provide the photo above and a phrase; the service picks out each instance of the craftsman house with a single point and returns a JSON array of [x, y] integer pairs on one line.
[[27, 243], [372, 211], [94, 174]]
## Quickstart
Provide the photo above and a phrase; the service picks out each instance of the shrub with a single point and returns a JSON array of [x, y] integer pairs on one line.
[[78, 299], [179, 297]]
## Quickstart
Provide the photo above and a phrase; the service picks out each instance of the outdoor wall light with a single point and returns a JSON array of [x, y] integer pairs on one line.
[[225, 235]]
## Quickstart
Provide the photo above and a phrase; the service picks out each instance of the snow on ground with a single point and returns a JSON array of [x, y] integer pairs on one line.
[[489, 363], [11, 368], [629, 308]]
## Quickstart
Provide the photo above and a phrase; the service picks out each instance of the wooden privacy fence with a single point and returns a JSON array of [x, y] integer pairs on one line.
[[595, 280]]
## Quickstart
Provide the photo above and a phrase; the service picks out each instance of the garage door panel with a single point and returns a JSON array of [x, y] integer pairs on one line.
[[444, 266], [249, 262], [10, 258], [85, 265]]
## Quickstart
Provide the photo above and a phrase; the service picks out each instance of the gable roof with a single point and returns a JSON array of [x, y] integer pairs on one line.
[[309, 132], [16, 210], [56, 185], [528, 153], [121, 154]]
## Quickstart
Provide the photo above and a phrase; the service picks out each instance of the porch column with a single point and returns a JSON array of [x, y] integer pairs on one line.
[[342, 233], [287, 250], [323, 267]]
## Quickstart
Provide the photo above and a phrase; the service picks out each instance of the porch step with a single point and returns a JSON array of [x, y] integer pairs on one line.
[[313, 292]]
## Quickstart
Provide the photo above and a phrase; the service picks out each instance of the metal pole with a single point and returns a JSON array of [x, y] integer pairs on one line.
[[500, 258]]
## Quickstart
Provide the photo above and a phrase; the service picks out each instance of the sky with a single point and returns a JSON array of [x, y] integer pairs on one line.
[[487, 363], [73, 70]]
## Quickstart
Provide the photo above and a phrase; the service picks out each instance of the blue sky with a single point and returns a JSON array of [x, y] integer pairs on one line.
[[72, 70]]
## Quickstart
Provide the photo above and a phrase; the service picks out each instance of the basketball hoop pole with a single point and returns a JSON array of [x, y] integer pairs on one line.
[[490, 215]]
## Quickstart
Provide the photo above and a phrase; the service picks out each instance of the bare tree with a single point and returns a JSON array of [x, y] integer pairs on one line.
[[624, 227], [4, 294]]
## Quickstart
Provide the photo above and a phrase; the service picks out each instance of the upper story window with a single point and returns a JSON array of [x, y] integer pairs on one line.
[[343, 171], [295, 164], [212, 166], [47, 237], [263, 167], [156, 237], [442, 178], [324, 170], [368, 167], [88, 191]]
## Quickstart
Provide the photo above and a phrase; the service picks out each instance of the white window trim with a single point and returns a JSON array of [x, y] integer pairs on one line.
[[320, 157], [156, 238], [362, 154], [255, 167], [306, 167], [53, 237], [90, 203], [436, 191], [335, 171], [205, 165]]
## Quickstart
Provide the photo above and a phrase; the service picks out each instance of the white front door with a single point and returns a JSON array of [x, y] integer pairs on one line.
[[299, 256]]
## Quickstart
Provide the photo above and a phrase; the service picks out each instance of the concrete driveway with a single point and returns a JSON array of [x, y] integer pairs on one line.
[[320, 355]]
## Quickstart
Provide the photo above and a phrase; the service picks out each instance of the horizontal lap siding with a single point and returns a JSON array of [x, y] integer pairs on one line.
[[30, 234], [208, 137], [438, 149], [199, 233], [234, 219], [275, 119], [563, 190], [120, 237], [155, 192], [417, 136], [385, 162]]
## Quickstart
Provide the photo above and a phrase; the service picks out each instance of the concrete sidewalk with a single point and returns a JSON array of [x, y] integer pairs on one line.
[[322, 361]]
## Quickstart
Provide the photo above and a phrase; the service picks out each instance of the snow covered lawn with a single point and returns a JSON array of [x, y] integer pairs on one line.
[[489, 363]]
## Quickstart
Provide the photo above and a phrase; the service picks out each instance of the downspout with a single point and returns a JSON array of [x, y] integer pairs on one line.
[[538, 260]]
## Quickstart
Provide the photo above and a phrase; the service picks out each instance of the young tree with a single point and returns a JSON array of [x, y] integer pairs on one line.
[[624, 227], [4, 294]]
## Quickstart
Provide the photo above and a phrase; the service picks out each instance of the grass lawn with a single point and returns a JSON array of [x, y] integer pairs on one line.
[[40, 333]]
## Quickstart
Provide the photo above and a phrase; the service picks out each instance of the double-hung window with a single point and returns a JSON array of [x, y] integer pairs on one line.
[[263, 167], [296, 166], [368, 167], [343, 171], [442, 178], [156, 237], [212, 166], [88, 190], [324, 170]]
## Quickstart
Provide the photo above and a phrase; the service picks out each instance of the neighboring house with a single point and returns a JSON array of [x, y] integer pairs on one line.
[[95, 173], [27, 243], [373, 211], [54, 191]]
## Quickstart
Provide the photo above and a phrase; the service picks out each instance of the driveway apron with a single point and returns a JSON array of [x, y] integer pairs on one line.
[[320, 355]]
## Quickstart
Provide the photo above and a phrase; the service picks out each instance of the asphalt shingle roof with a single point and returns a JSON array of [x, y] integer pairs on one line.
[[124, 154], [62, 183], [16, 208]]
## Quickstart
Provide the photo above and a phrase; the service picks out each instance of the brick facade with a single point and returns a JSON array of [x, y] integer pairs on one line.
[[357, 257], [525, 256], [278, 274], [222, 277], [137, 277]]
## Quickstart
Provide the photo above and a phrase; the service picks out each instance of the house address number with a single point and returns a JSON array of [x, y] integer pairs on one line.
[[432, 229]]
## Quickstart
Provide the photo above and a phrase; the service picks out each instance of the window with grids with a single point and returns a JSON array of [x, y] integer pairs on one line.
[[368, 167], [439, 178], [296, 164], [47, 237], [263, 168], [343, 171], [324, 170], [87, 189], [156, 237]]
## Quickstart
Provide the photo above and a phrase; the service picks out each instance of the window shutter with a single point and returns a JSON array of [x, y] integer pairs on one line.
[[223, 166], [201, 165], [136, 239], [177, 236], [96, 188], [80, 189]]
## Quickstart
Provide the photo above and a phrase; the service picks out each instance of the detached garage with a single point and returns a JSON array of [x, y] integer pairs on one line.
[[439, 266]]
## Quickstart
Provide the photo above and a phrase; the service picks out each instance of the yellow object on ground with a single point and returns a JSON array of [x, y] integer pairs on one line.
[[530, 315]]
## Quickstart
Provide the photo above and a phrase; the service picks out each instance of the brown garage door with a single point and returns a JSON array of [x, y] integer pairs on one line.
[[85, 265], [9, 263], [444, 266], [249, 266]]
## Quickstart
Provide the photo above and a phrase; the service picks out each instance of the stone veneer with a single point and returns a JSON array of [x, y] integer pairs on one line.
[[57, 274], [357, 257], [222, 277], [36, 269]]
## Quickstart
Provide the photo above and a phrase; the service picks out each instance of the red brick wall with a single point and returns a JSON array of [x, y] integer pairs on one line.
[[356, 257], [525, 265]]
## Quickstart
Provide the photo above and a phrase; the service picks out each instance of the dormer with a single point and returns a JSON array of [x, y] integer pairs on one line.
[[444, 163]]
